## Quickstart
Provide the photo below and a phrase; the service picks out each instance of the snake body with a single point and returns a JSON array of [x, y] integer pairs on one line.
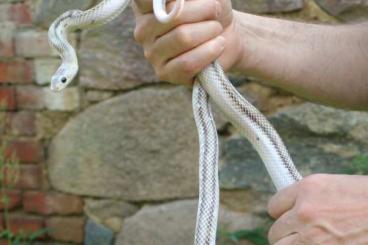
[[211, 82]]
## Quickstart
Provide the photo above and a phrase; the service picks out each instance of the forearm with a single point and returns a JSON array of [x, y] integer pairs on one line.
[[326, 64]]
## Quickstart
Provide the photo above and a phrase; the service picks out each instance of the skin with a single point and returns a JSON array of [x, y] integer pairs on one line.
[[324, 64], [321, 209]]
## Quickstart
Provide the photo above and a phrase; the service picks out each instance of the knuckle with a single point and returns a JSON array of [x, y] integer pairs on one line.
[[182, 36], [271, 207], [143, 23], [306, 213], [148, 54], [218, 27], [213, 50], [313, 182], [138, 34]]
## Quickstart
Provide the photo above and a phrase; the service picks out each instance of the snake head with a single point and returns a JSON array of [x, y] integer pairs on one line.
[[62, 78]]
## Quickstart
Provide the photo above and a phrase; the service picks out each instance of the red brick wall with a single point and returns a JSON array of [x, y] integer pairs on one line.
[[33, 204]]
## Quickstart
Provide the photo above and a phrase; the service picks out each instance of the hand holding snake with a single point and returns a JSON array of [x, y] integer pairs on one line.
[[211, 79], [179, 50]]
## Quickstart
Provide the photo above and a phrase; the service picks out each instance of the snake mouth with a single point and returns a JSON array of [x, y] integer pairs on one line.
[[55, 88]]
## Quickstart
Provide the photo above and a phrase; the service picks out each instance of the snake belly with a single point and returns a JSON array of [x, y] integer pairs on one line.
[[250, 122]]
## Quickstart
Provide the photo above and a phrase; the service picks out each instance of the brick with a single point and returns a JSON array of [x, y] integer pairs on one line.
[[44, 69], [6, 39], [37, 98], [10, 175], [7, 98], [5, 15], [32, 43], [26, 150], [4, 123], [1, 222], [15, 72], [19, 223], [13, 197], [30, 178], [30, 97], [67, 229], [21, 14], [22, 123], [52, 203], [66, 100]]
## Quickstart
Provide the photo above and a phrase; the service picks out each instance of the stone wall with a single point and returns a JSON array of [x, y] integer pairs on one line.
[[113, 159]]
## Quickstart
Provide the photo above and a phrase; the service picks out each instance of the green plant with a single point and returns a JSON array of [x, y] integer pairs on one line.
[[359, 165], [257, 236], [9, 174]]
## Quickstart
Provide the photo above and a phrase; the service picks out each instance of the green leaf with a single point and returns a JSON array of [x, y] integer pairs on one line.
[[5, 234], [37, 234], [359, 165], [257, 236], [5, 200]]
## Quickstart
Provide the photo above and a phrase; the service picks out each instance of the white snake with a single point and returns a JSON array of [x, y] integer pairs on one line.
[[212, 80]]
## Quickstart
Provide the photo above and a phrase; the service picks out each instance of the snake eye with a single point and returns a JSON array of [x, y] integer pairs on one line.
[[63, 79]]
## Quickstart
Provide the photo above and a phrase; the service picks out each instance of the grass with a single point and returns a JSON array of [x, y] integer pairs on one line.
[[256, 236], [9, 174], [359, 165]]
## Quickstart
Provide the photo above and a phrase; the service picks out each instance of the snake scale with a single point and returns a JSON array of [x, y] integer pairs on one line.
[[210, 83]]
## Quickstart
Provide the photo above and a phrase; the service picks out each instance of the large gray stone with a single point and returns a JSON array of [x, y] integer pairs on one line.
[[320, 140], [174, 223], [96, 234], [323, 120], [46, 11], [347, 10], [111, 59], [110, 213], [139, 146]]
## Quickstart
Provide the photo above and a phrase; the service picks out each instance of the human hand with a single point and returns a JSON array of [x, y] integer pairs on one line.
[[321, 209], [204, 31]]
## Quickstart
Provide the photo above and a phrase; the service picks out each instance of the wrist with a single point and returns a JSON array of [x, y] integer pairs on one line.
[[247, 39], [268, 46]]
